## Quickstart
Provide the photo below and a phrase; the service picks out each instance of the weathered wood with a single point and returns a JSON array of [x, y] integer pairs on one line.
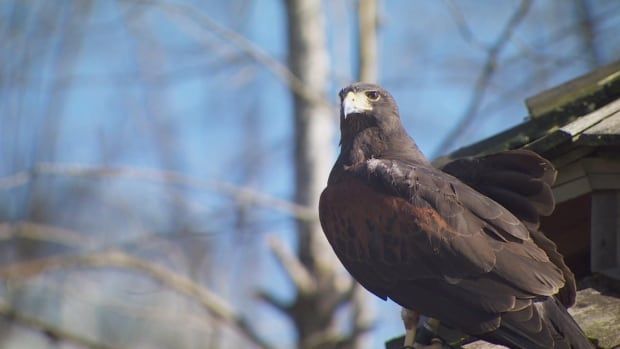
[[598, 314], [571, 182], [592, 119], [512, 138], [558, 115], [572, 156], [578, 96], [572, 189], [574, 131], [605, 133], [605, 230], [585, 175]]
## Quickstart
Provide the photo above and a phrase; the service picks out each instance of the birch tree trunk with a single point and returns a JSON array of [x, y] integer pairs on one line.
[[314, 131]]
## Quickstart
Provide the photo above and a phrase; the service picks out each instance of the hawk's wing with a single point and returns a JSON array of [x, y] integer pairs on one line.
[[519, 180], [433, 244]]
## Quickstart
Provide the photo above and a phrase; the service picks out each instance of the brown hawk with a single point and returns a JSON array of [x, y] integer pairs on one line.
[[460, 244]]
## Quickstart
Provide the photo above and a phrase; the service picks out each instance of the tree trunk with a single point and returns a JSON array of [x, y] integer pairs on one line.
[[308, 60], [312, 312]]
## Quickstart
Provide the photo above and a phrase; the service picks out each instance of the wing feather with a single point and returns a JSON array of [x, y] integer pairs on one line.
[[519, 180]]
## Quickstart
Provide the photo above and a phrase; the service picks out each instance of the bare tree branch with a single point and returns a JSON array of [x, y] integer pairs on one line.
[[15, 180], [587, 32], [489, 68], [295, 270], [242, 194], [159, 78], [271, 300], [42, 232], [529, 51], [117, 259], [54, 333], [74, 239], [181, 12], [335, 340], [463, 27]]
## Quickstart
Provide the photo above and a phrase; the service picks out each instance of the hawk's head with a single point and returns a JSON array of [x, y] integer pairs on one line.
[[370, 126], [364, 105]]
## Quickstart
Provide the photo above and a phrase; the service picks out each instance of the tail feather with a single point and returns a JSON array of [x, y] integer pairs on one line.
[[567, 294], [550, 326], [564, 326]]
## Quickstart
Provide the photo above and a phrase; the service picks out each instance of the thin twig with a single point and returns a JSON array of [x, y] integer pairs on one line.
[[43, 232], [273, 301], [52, 332], [295, 270], [587, 33], [159, 78], [15, 180], [113, 257], [463, 27], [483, 80], [194, 320], [117, 259], [183, 12], [63, 236], [242, 194]]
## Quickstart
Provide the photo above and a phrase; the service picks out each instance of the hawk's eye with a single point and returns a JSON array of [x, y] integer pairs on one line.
[[373, 95]]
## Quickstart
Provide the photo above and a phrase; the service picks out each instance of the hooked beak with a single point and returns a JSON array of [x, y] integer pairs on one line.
[[355, 103]]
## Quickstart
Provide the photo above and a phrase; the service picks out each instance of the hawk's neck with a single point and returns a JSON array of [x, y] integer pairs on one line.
[[371, 143]]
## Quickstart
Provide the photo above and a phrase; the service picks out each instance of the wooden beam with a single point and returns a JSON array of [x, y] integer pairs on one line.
[[586, 175], [605, 230], [578, 96]]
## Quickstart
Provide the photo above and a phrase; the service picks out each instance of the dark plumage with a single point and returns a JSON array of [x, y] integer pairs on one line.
[[461, 245]]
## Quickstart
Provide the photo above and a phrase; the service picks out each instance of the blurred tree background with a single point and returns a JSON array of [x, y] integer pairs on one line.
[[161, 160]]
